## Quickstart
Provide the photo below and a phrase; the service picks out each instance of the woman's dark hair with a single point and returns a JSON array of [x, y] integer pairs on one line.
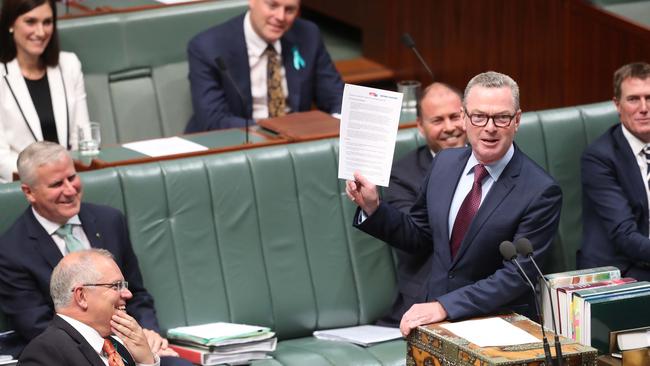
[[11, 10]]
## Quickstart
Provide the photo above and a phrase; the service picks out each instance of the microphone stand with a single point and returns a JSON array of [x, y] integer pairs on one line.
[[221, 65], [509, 252]]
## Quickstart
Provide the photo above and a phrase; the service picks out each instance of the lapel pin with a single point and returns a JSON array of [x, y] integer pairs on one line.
[[97, 235], [298, 61]]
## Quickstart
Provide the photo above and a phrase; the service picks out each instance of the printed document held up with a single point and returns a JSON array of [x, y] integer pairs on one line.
[[369, 119]]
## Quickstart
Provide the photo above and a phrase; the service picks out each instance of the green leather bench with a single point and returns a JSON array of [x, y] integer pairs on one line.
[[264, 236], [135, 65]]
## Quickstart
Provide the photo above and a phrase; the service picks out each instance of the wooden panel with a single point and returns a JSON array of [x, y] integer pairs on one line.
[[561, 52]]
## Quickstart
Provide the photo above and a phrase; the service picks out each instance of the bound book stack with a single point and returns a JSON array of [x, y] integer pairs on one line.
[[590, 304], [221, 343]]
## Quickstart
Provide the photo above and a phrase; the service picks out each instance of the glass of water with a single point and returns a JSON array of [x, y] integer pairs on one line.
[[89, 138]]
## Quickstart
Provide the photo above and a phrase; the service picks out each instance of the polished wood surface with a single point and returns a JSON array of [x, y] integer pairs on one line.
[[561, 52]]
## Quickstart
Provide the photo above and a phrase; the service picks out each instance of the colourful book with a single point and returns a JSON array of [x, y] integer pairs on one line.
[[564, 297], [578, 304], [200, 356], [560, 279], [605, 314]]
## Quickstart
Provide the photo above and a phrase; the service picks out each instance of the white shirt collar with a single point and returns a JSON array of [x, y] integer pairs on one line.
[[51, 226], [93, 338], [256, 45], [495, 169], [635, 143]]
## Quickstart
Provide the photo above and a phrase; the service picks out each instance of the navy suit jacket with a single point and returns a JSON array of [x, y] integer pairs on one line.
[[413, 270], [615, 208], [28, 255], [215, 99], [61, 344], [524, 202]]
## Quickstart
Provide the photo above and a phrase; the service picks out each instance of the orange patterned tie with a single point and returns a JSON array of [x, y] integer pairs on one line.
[[114, 358], [276, 100]]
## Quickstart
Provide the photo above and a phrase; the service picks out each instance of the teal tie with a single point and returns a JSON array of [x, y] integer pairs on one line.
[[72, 244]]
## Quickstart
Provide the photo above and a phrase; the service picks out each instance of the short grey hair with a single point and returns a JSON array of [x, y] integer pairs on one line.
[[35, 155], [493, 79], [69, 274]]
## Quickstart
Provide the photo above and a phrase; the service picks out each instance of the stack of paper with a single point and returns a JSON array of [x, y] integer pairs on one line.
[[363, 335], [218, 343]]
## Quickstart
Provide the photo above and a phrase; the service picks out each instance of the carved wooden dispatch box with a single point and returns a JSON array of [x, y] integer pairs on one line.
[[432, 345]]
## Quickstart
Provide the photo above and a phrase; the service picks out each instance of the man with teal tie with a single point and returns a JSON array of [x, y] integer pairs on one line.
[[55, 224]]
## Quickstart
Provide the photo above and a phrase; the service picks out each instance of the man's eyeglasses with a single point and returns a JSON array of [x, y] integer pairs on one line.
[[482, 119], [118, 286]]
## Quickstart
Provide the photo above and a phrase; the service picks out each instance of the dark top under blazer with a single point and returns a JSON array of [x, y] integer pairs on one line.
[[413, 270], [62, 345], [524, 202], [214, 98], [614, 207], [28, 255]]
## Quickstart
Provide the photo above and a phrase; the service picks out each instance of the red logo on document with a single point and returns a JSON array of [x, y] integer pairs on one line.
[[373, 94]]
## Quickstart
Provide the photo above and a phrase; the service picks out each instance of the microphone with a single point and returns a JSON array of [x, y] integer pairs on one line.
[[410, 43], [525, 248], [221, 65], [509, 253]]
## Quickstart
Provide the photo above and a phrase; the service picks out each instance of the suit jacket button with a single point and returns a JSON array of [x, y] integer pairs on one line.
[[451, 275]]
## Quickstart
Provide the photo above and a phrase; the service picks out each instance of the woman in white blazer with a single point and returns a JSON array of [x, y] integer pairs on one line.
[[32, 68]]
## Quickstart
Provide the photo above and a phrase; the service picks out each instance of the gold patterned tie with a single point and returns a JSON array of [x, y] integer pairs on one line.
[[114, 358], [276, 100]]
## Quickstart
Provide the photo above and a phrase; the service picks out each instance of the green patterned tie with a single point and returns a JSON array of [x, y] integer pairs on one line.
[[276, 100], [72, 244]]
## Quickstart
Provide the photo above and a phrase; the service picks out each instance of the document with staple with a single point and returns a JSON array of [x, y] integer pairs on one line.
[[369, 120]]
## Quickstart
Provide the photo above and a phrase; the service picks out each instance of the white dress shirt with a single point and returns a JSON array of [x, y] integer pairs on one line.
[[258, 62], [467, 181], [96, 341], [51, 228], [637, 147]]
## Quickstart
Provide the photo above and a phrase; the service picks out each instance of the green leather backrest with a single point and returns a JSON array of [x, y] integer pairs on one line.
[[264, 235], [135, 66]]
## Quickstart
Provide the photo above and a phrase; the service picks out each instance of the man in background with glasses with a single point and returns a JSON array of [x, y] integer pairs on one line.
[[91, 326], [55, 224], [440, 122], [473, 199]]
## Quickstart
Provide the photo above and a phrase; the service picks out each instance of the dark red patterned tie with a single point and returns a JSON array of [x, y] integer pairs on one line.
[[467, 210]]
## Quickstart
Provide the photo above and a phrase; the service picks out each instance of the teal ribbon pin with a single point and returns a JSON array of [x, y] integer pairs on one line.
[[298, 61]]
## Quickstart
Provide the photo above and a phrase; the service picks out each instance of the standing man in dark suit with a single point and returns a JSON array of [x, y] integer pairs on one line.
[[615, 173], [474, 198], [56, 223], [277, 62], [91, 326], [440, 121]]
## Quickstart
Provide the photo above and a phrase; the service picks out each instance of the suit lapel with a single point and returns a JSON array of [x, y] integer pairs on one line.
[[236, 58], [83, 345], [628, 164], [16, 82], [59, 104], [293, 76], [41, 241], [89, 224], [498, 193], [444, 194]]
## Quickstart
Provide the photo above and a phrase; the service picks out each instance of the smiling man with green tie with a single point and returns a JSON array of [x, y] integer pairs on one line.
[[55, 224]]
